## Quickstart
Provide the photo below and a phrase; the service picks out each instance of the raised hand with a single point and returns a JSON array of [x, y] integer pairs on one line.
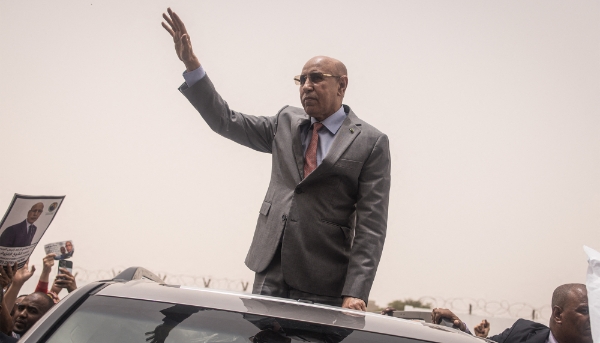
[[48, 263], [65, 280], [23, 274], [6, 274], [482, 329], [183, 44]]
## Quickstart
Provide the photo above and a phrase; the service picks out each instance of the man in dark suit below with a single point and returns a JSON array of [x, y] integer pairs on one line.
[[323, 222], [21, 234], [569, 323]]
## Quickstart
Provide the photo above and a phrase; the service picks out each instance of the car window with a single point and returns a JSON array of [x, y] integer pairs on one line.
[[108, 319]]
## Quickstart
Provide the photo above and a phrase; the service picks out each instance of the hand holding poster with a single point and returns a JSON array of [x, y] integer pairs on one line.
[[24, 224], [62, 250]]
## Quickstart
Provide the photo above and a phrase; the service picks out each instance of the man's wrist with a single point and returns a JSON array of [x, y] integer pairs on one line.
[[192, 65]]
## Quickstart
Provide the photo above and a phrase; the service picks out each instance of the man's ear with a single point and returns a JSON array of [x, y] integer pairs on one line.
[[557, 314], [342, 85]]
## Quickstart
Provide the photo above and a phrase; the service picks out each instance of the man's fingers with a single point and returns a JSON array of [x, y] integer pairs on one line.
[[178, 22], [172, 21], [32, 270], [168, 29]]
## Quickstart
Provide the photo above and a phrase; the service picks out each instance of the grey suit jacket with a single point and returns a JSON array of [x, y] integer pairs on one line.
[[331, 224]]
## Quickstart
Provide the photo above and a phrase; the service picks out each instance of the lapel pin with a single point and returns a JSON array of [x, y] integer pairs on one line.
[[351, 130]]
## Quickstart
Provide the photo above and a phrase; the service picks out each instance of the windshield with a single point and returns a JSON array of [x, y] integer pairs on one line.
[[108, 319]]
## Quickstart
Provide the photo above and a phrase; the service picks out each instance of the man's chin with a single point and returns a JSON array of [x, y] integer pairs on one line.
[[18, 329]]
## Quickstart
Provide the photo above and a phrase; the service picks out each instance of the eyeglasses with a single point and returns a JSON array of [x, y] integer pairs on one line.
[[313, 77]]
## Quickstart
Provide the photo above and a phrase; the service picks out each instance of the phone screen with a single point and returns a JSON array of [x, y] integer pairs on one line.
[[68, 265]]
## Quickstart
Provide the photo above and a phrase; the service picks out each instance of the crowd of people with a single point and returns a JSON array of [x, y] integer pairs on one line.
[[19, 312]]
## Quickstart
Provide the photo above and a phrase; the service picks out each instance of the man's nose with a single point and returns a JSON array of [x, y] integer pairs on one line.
[[307, 84]]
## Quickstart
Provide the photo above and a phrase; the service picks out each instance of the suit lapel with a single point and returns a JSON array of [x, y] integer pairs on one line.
[[344, 137], [297, 144]]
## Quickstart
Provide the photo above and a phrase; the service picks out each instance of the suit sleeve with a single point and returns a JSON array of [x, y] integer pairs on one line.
[[371, 221], [251, 131]]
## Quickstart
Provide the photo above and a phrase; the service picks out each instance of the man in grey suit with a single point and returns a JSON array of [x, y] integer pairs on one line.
[[322, 224]]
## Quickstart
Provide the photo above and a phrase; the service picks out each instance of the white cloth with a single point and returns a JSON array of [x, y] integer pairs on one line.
[[593, 290]]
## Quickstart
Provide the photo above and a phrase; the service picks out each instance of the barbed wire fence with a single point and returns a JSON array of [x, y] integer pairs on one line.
[[489, 308], [480, 307]]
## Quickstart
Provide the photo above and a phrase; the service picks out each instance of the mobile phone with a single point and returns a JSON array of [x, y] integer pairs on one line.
[[68, 265]]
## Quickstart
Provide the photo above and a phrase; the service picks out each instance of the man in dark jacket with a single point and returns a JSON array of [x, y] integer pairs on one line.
[[21, 234], [569, 323]]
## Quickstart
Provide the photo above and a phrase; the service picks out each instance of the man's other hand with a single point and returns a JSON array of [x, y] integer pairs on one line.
[[482, 329], [354, 304], [438, 313], [183, 44]]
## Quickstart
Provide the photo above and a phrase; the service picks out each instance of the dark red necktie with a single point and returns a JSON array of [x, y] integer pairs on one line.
[[310, 159]]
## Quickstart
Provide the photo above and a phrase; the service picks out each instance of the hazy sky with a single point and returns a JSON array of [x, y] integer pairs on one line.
[[492, 109]]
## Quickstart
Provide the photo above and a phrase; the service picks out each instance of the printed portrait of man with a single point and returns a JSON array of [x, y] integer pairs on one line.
[[21, 234]]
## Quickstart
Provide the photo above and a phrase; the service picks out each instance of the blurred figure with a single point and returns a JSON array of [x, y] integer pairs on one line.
[[5, 323], [570, 321], [29, 311]]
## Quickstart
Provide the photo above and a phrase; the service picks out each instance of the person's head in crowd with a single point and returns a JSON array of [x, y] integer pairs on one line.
[[17, 301], [570, 321], [69, 246], [30, 310], [35, 212]]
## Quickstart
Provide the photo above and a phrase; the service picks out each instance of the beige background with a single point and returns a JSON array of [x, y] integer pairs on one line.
[[491, 107]]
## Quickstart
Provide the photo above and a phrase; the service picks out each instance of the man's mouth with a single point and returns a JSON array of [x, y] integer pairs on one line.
[[309, 99]]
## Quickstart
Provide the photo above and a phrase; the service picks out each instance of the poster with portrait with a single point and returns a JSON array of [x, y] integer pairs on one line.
[[62, 250], [25, 222]]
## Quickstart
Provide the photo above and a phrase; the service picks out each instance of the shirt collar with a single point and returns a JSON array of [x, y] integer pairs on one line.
[[551, 338], [334, 121]]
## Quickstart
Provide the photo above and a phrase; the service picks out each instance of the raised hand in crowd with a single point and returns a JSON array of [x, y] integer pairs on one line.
[[18, 280], [7, 273], [48, 264], [482, 329], [64, 280], [183, 44], [439, 313]]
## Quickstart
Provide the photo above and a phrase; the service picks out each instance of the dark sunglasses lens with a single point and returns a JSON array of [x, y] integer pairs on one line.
[[302, 79], [316, 77]]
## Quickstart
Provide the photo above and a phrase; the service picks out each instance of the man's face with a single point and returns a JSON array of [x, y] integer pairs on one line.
[[323, 98], [69, 246], [575, 318], [28, 312], [63, 250], [35, 212]]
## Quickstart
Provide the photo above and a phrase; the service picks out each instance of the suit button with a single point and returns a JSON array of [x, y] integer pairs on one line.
[[298, 190], [283, 218]]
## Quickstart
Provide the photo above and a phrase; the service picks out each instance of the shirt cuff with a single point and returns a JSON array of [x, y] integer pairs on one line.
[[193, 76]]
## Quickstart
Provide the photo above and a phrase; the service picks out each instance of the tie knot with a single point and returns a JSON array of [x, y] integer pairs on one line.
[[317, 126]]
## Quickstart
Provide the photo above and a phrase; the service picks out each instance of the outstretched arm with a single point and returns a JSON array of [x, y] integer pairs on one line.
[[20, 277]]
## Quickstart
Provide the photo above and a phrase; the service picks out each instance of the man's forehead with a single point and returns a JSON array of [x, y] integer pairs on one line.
[[32, 301], [318, 64], [577, 296]]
